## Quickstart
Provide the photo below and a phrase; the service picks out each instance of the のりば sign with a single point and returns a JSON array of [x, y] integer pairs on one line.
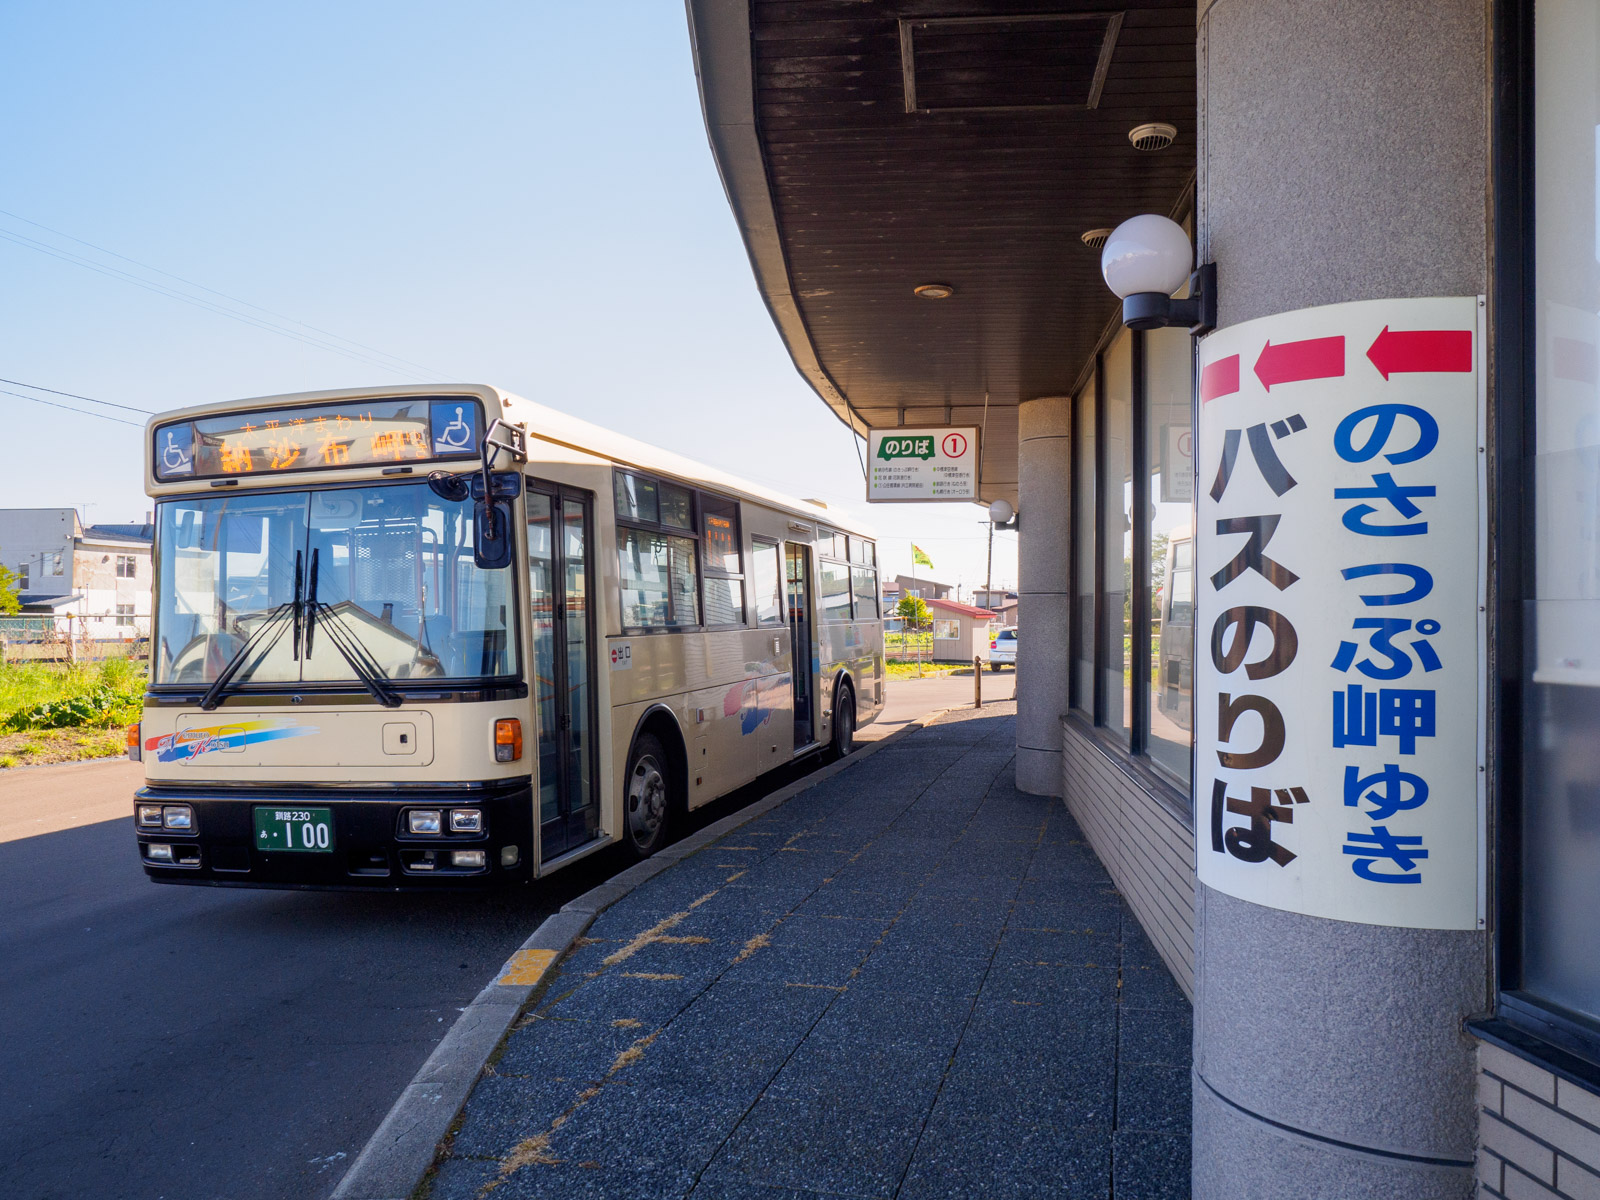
[[938, 462], [1338, 728]]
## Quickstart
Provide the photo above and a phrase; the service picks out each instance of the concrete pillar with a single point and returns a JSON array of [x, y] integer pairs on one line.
[[1342, 157], [1044, 492]]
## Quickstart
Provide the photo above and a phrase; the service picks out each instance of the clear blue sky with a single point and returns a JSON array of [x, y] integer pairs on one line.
[[517, 193]]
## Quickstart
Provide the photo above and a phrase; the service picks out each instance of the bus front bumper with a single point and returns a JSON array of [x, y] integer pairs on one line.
[[369, 843]]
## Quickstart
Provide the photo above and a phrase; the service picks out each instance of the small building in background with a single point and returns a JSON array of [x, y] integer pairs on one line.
[[1003, 603], [960, 631], [928, 589], [89, 583]]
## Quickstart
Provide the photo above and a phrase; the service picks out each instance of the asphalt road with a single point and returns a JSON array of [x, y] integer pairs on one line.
[[190, 1043], [909, 699]]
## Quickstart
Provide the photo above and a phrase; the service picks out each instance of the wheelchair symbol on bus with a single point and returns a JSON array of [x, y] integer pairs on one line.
[[458, 434], [175, 460]]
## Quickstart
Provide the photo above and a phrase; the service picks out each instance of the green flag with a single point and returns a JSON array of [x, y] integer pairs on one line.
[[918, 557]]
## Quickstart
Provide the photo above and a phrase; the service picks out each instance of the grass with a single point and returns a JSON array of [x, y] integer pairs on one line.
[[53, 712], [908, 670]]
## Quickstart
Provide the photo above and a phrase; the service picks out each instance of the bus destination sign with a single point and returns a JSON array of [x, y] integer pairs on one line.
[[319, 436]]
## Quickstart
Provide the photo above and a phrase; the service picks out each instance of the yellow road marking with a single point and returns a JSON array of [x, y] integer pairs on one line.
[[526, 967]]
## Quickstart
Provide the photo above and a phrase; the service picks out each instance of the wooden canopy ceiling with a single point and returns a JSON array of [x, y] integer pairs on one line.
[[871, 146]]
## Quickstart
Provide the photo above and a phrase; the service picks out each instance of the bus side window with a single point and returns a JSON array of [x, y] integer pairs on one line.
[[768, 582]]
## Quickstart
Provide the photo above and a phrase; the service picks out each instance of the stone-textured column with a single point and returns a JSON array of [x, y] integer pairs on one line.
[[1044, 489], [1342, 157]]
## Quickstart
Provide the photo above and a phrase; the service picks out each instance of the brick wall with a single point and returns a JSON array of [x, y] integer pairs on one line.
[[1538, 1135], [1146, 847]]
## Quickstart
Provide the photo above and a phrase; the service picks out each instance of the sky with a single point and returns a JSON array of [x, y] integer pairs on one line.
[[519, 194]]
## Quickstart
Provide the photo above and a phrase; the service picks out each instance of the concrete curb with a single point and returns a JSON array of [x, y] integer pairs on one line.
[[393, 1162]]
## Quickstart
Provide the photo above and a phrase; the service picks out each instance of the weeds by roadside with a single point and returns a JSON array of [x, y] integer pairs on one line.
[[63, 713]]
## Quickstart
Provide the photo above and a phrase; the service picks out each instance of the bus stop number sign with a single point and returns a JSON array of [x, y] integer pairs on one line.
[[938, 462]]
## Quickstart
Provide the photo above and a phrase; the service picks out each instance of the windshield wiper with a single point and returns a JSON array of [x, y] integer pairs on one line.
[[355, 653], [258, 638]]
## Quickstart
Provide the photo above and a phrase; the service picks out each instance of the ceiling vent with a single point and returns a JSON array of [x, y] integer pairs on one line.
[[1156, 135], [1006, 63], [1095, 238]]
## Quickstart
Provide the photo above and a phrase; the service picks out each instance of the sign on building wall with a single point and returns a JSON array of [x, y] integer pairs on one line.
[[1338, 739], [938, 462]]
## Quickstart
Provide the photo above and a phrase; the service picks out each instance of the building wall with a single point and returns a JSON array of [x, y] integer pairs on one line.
[[103, 590], [33, 536], [1144, 844], [1539, 1136]]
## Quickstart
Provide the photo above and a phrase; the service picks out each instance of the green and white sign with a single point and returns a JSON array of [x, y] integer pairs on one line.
[[937, 462]]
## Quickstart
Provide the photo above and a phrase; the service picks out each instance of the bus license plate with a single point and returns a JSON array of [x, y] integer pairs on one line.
[[298, 829]]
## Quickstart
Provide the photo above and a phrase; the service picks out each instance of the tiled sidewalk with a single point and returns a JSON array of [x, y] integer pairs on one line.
[[911, 980]]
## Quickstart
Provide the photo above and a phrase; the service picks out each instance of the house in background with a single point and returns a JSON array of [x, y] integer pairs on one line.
[[95, 580], [960, 631], [1000, 601], [928, 589]]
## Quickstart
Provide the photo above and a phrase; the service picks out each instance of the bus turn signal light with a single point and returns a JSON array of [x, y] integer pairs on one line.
[[507, 740], [135, 751]]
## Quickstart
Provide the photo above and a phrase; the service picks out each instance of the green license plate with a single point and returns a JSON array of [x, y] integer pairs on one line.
[[297, 829]]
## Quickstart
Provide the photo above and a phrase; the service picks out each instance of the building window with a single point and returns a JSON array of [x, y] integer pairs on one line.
[[127, 566], [1083, 543], [125, 616], [22, 577], [946, 631], [1132, 555], [55, 563], [1116, 539], [1549, 973], [1169, 466]]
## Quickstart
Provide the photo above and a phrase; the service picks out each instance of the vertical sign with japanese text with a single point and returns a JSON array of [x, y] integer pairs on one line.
[[1338, 635]]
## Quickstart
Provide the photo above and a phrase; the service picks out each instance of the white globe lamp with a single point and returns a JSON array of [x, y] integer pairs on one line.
[[1144, 261]]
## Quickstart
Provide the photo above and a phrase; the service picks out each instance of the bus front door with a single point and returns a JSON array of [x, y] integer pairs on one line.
[[561, 674], [797, 596]]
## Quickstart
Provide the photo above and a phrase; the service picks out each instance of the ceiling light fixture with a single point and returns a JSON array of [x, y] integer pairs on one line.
[[934, 291]]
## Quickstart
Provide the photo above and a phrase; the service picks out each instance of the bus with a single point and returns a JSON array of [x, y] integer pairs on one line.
[[441, 636]]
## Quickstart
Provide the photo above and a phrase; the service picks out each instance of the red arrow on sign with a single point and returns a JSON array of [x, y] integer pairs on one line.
[[1220, 378], [1294, 362], [1421, 350]]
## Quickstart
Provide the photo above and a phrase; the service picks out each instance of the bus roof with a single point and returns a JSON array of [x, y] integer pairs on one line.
[[542, 423]]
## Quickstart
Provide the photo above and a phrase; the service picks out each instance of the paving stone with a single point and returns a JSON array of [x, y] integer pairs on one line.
[[1149, 1167], [1061, 948], [921, 971], [462, 1178], [733, 1188], [950, 937], [1052, 985], [504, 1112], [574, 1181], [1162, 1036], [1155, 1099], [962, 1155], [672, 1127], [822, 1145], [1082, 1099], [805, 966], [1151, 987], [543, 1048], [837, 900], [616, 996], [828, 932]]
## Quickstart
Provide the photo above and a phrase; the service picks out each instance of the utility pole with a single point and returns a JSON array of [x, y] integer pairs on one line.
[[988, 568]]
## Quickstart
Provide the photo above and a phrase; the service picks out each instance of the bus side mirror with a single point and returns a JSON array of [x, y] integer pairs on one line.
[[491, 534]]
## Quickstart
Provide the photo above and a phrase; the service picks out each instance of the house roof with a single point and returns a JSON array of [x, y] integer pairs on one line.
[[966, 610], [141, 535]]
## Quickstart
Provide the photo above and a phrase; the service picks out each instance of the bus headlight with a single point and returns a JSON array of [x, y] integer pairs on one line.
[[466, 820], [177, 816], [423, 820], [467, 860], [149, 816], [159, 852], [507, 740]]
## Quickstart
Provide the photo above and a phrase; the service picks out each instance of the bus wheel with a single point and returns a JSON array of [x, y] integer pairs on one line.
[[844, 722], [649, 797]]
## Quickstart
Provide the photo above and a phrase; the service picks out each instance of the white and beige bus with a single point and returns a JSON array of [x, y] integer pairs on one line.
[[442, 636]]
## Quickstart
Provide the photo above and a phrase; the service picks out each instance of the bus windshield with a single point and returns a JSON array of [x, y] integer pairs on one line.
[[393, 566]]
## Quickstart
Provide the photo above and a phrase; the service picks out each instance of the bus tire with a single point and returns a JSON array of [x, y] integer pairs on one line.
[[647, 800], [844, 720]]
